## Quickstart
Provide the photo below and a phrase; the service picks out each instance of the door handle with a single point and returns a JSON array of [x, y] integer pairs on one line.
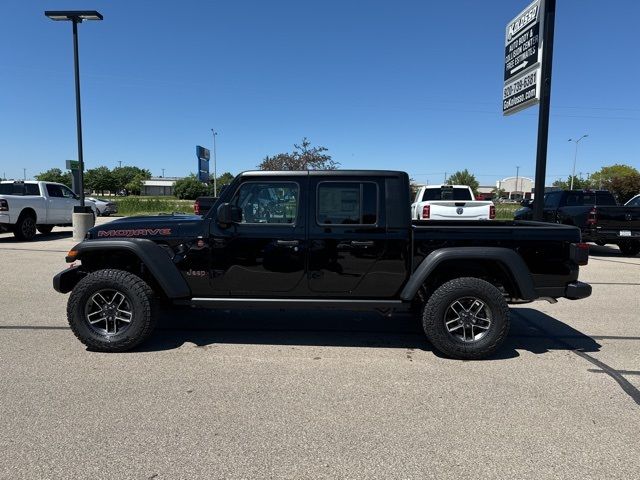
[[287, 243], [365, 243]]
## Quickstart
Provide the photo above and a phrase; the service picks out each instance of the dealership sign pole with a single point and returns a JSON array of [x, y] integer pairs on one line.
[[527, 77]]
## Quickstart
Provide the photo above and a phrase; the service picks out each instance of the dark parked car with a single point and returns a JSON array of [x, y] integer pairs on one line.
[[596, 213], [319, 239]]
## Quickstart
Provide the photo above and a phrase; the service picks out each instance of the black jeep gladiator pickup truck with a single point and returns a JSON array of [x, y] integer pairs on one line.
[[312, 239], [596, 213]]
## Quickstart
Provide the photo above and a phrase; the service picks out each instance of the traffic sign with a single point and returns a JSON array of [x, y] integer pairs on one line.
[[73, 165], [522, 59], [522, 42]]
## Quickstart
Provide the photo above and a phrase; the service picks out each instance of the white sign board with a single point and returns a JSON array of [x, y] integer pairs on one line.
[[522, 58]]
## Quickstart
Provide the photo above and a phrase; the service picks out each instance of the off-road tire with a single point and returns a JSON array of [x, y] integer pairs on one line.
[[138, 293], [25, 227], [45, 229], [433, 318], [630, 248]]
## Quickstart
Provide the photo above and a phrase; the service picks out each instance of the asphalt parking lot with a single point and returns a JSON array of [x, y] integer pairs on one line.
[[254, 394]]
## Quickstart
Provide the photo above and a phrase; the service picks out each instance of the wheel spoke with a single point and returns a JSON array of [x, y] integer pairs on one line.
[[476, 307], [457, 308], [122, 319], [120, 299], [100, 319], [457, 319]]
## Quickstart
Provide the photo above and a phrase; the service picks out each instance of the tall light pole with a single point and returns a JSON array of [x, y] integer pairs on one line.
[[215, 175], [517, 177], [76, 17], [575, 158]]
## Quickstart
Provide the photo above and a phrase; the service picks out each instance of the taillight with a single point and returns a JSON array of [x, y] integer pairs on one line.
[[492, 212], [4, 205], [580, 253], [196, 207], [592, 218], [426, 211]]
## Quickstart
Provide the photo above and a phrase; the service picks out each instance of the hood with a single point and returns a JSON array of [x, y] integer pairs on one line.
[[151, 227]]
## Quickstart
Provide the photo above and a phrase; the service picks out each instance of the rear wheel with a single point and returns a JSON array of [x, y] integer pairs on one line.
[[630, 248], [111, 310], [25, 227], [466, 318], [45, 229]]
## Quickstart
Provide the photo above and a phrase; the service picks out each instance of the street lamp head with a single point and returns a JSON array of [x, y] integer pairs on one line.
[[73, 15]]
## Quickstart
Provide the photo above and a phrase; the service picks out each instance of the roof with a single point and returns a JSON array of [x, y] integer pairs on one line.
[[325, 173]]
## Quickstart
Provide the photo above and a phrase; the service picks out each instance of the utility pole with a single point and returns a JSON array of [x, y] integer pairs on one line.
[[163, 173], [445, 178], [24, 173], [119, 163], [517, 177], [215, 175]]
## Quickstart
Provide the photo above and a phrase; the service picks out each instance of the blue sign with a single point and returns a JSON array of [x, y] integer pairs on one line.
[[203, 155]]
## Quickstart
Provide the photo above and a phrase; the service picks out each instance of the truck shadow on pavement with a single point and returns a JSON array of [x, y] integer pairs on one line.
[[531, 330], [11, 239]]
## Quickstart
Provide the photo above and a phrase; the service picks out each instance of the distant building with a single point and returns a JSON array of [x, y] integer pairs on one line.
[[485, 192], [516, 188], [159, 186]]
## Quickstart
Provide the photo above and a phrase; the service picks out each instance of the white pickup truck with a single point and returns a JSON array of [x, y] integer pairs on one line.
[[450, 202], [29, 206]]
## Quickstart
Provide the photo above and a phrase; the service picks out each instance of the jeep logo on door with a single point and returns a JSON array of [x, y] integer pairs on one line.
[[459, 210]]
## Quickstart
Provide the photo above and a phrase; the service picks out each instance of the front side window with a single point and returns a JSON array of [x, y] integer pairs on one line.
[[267, 202], [347, 203], [67, 193], [54, 191]]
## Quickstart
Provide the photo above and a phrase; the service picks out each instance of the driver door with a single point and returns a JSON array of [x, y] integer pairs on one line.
[[264, 254]]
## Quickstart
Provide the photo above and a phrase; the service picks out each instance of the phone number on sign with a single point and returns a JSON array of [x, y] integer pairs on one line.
[[519, 85]]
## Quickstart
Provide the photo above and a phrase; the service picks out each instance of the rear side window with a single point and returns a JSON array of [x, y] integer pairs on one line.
[[31, 189], [347, 203], [605, 198], [445, 193]]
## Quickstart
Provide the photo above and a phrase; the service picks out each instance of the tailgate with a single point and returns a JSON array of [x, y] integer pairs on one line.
[[459, 210], [618, 218]]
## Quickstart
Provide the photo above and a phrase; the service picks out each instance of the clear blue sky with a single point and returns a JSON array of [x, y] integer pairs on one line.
[[412, 85]]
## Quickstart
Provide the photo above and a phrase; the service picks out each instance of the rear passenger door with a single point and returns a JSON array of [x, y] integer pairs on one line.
[[346, 236]]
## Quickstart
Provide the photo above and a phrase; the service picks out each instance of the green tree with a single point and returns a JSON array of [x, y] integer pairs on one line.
[[100, 179], [303, 157], [602, 178], [55, 175], [464, 177], [125, 175], [499, 193], [190, 188], [135, 185], [578, 183], [625, 187], [221, 182]]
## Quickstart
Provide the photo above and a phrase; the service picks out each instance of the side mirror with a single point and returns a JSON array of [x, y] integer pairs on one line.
[[228, 214]]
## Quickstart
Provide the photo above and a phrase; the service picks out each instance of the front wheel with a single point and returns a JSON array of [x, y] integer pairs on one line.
[[111, 310], [630, 248], [466, 318]]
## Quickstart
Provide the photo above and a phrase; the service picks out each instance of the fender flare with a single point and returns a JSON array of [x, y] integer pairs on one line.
[[153, 257], [510, 260]]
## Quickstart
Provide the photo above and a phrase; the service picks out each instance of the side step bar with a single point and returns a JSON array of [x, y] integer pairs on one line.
[[345, 304]]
